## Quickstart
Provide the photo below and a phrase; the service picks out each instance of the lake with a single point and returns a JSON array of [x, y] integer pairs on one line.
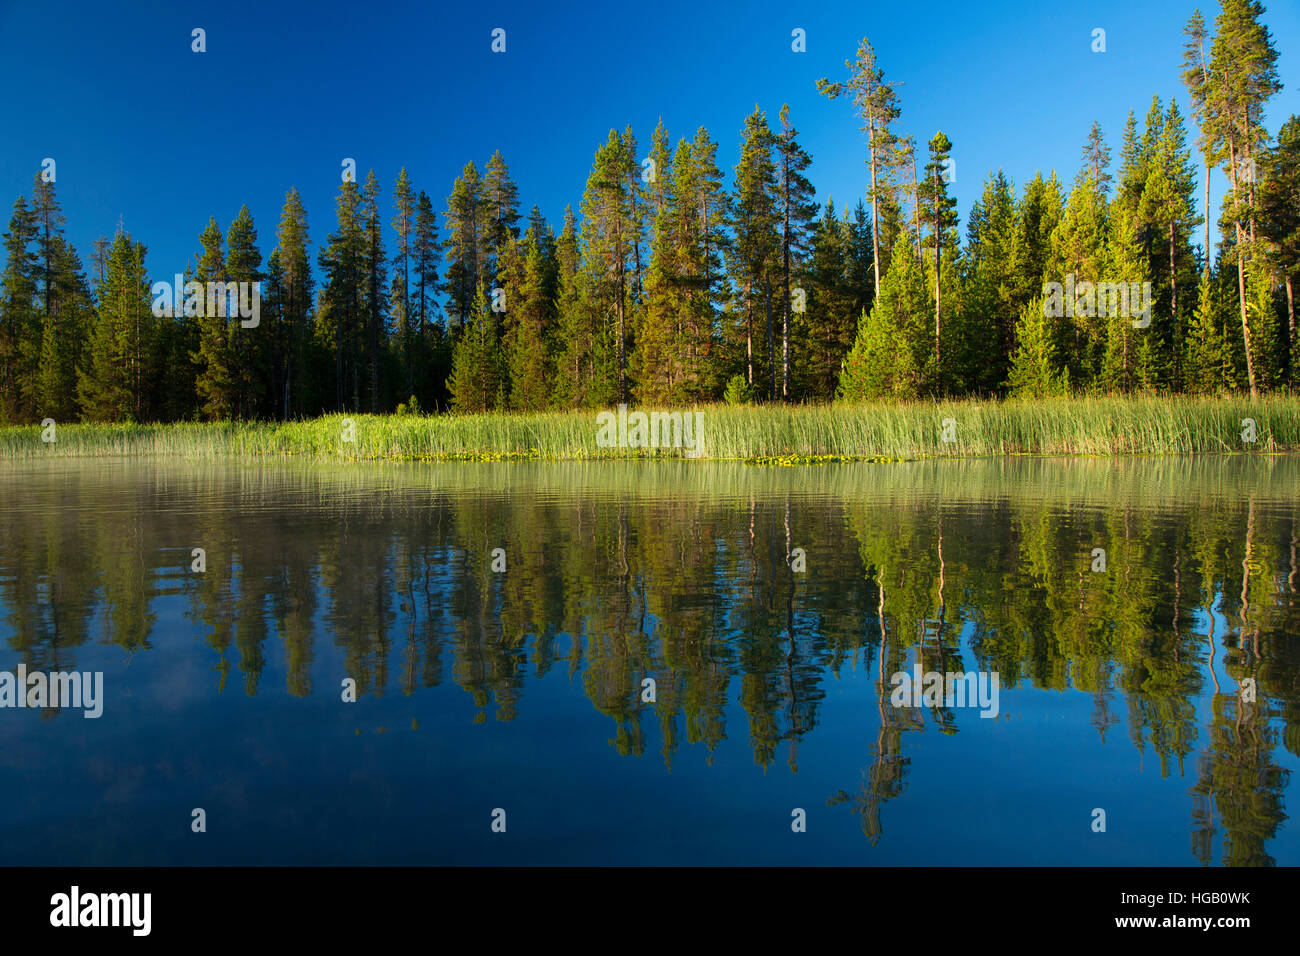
[[653, 662]]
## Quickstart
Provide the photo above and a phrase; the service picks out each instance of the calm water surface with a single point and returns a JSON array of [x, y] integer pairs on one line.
[[525, 689]]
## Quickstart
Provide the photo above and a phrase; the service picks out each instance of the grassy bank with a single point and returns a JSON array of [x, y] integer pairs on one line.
[[1096, 426]]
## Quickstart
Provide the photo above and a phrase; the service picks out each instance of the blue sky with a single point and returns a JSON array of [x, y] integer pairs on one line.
[[145, 129]]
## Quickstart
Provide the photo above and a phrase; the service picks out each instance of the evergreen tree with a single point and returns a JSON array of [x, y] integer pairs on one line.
[[507, 297], [1268, 334], [539, 231], [404, 213], [990, 305], [425, 254], [892, 348], [339, 317], [20, 326], [754, 248], [63, 334], [1036, 369], [654, 361], [1196, 77], [1279, 201], [1207, 365], [434, 361], [1079, 249], [217, 382], [1169, 195], [889, 224], [248, 353], [175, 350], [826, 330], [99, 260], [876, 104], [905, 166], [527, 344], [1096, 160], [1129, 238], [1131, 357], [656, 185], [49, 222], [375, 308], [500, 201], [796, 208], [1241, 78], [477, 382], [640, 206], [112, 382], [940, 213], [51, 377], [859, 264], [675, 358], [1038, 214], [583, 363], [704, 213], [609, 235], [292, 298], [464, 244]]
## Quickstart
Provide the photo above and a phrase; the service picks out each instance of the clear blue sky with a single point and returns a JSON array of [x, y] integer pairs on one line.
[[145, 129]]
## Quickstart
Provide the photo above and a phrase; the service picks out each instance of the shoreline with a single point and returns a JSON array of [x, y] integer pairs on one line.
[[1106, 427]]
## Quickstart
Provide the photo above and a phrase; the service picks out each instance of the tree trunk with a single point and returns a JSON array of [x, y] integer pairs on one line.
[[771, 351], [374, 363], [1245, 325], [622, 331], [1205, 80], [338, 366], [1206, 265], [1250, 184], [1124, 361], [1290, 324], [749, 336], [1241, 270], [916, 208], [1173, 308], [938, 292], [875, 217], [785, 301], [406, 323]]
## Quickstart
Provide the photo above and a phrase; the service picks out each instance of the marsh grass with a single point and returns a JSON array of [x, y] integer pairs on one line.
[[759, 434]]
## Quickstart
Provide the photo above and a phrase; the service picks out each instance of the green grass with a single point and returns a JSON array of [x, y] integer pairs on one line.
[[756, 434]]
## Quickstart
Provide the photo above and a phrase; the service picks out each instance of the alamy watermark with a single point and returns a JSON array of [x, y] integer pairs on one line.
[[77, 909], [56, 689], [653, 430], [932, 689], [211, 299], [1130, 300]]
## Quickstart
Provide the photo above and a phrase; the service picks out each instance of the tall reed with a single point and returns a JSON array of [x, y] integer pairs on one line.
[[1107, 426]]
